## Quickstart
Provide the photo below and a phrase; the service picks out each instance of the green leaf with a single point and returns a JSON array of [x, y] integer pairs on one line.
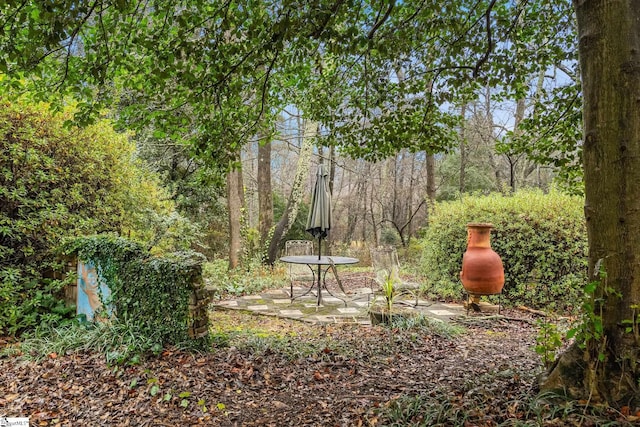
[[590, 288]]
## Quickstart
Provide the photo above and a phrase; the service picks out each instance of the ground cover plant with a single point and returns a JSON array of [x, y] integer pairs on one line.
[[156, 295], [253, 277]]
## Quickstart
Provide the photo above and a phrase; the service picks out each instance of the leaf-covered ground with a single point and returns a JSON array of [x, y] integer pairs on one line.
[[275, 372]]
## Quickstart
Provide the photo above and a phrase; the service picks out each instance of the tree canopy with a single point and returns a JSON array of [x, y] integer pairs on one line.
[[377, 76]]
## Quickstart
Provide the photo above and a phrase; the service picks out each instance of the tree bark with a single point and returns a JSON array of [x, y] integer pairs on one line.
[[265, 194], [463, 149], [431, 180], [234, 203], [609, 43], [297, 192]]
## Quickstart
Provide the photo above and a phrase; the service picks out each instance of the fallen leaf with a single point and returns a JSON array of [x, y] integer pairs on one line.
[[11, 397], [279, 405]]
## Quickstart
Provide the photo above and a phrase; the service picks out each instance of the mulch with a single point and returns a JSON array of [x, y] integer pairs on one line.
[[335, 375]]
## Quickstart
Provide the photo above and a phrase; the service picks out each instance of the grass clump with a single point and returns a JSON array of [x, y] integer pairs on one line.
[[121, 342], [445, 407]]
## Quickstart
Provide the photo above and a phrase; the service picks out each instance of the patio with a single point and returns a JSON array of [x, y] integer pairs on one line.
[[277, 303]]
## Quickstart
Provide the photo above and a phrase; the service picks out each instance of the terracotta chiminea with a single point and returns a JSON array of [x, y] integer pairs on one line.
[[482, 271]]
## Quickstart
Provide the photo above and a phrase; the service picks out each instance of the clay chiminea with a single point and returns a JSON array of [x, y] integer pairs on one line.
[[482, 271]]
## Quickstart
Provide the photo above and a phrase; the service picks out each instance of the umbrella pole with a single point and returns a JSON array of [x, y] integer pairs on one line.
[[319, 271]]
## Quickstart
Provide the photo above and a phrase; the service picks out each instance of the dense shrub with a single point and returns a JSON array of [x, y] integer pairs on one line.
[[540, 237], [57, 181]]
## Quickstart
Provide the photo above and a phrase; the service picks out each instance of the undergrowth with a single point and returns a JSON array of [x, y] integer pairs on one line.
[[252, 278], [120, 342], [445, 407]]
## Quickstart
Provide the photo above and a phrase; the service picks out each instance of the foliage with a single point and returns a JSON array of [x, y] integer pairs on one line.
[[477, 172], [589, 332], [540, 237], [150, 293], [389, 237], [118, 341], [298, 228], [440, 408], [388, 285], [195, 189], [552, 134], [57, 181], [427, 325], [252, 278], [375, 76], [548, 341]]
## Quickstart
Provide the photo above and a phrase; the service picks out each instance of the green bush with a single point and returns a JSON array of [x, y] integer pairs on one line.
[[58, 181], [541, 239]]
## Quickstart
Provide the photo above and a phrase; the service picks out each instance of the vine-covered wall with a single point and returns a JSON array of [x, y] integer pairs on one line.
[[162, 295]]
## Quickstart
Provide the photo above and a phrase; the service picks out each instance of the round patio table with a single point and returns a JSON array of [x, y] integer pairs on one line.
[[326, 262]]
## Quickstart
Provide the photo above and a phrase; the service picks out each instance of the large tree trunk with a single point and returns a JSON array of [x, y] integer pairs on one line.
[[297, 192], [609, 35], [265, 194], [235, 201]]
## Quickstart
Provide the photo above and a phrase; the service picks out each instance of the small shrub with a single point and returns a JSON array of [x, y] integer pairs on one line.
[[541, 239]]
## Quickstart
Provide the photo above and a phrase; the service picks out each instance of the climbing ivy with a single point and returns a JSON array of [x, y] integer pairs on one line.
[[151, 292]]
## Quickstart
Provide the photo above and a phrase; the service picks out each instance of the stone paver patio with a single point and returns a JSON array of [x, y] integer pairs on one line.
[[332, 310]]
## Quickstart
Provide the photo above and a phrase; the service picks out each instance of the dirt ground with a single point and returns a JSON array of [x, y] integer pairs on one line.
[[276, 372]]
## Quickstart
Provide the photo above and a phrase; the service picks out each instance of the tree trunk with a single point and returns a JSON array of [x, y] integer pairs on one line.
[[463, 149], [265, 194], [234, 204], [609, 36], [431, 180], [332, 177], [490, 138], [297, 192], [332, 168], [374, 223]]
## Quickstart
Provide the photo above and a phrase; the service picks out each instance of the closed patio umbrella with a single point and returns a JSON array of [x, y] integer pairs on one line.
[[319, 220]]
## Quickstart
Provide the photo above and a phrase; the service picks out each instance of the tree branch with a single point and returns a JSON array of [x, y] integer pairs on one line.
[[379, 22], [327, 17], [485, 57]]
